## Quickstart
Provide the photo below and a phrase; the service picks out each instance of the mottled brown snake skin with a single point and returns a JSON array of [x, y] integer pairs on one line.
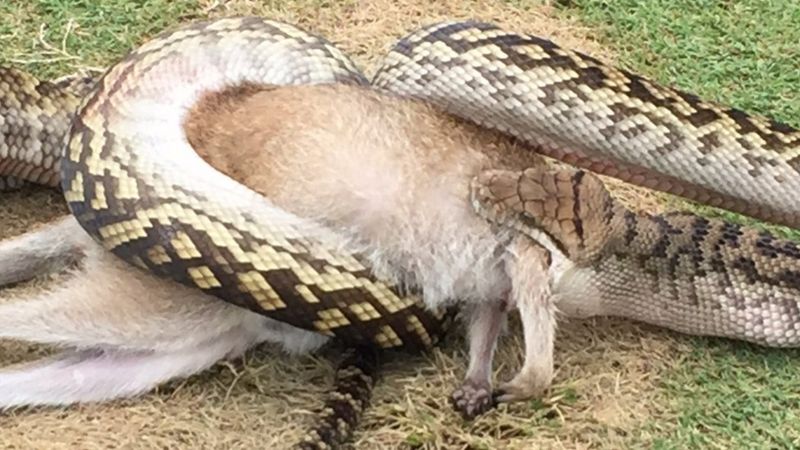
[[142, 191]]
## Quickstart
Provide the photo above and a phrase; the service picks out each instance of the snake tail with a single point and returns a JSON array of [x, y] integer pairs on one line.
[[345, 404]]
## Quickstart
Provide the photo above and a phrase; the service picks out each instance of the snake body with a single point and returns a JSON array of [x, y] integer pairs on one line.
[[35, 117], [574, 108], [136, 185]]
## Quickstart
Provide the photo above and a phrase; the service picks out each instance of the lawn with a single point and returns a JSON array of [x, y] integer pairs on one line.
[[619, 385]]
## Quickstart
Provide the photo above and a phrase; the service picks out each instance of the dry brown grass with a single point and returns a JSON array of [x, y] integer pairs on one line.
[[607, 385]]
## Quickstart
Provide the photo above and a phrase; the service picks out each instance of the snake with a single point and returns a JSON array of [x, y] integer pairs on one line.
[[117, 151]]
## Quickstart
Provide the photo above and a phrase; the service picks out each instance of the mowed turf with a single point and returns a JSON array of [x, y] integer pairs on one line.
[[619, 384]]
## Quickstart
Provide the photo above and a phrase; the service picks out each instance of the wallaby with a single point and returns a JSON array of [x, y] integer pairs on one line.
[[390, 175]]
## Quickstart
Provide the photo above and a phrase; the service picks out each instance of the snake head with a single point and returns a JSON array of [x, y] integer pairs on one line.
[[571, 207]]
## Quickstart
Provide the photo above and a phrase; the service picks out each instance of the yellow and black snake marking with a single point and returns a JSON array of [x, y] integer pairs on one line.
[[680, 271], [34, 122], [134, 182], [35, 116], [346, 402]]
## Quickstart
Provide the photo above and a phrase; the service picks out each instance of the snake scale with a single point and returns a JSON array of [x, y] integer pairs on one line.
[[136, 185]]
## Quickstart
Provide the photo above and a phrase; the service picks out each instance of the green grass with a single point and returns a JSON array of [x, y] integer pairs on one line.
[[741, 53], [55, 37], [745, 54], [735, 396]]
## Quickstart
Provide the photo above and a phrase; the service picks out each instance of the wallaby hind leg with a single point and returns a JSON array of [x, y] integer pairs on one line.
[[95, 375], [103, 302], [47, 249], [128, 341], [474, 396], [129, 332], [108, 303], [528, 269]]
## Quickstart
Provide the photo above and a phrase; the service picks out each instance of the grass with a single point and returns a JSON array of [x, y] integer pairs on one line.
[[735, 396], [52, 37], [619, 385], [745, 54]]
